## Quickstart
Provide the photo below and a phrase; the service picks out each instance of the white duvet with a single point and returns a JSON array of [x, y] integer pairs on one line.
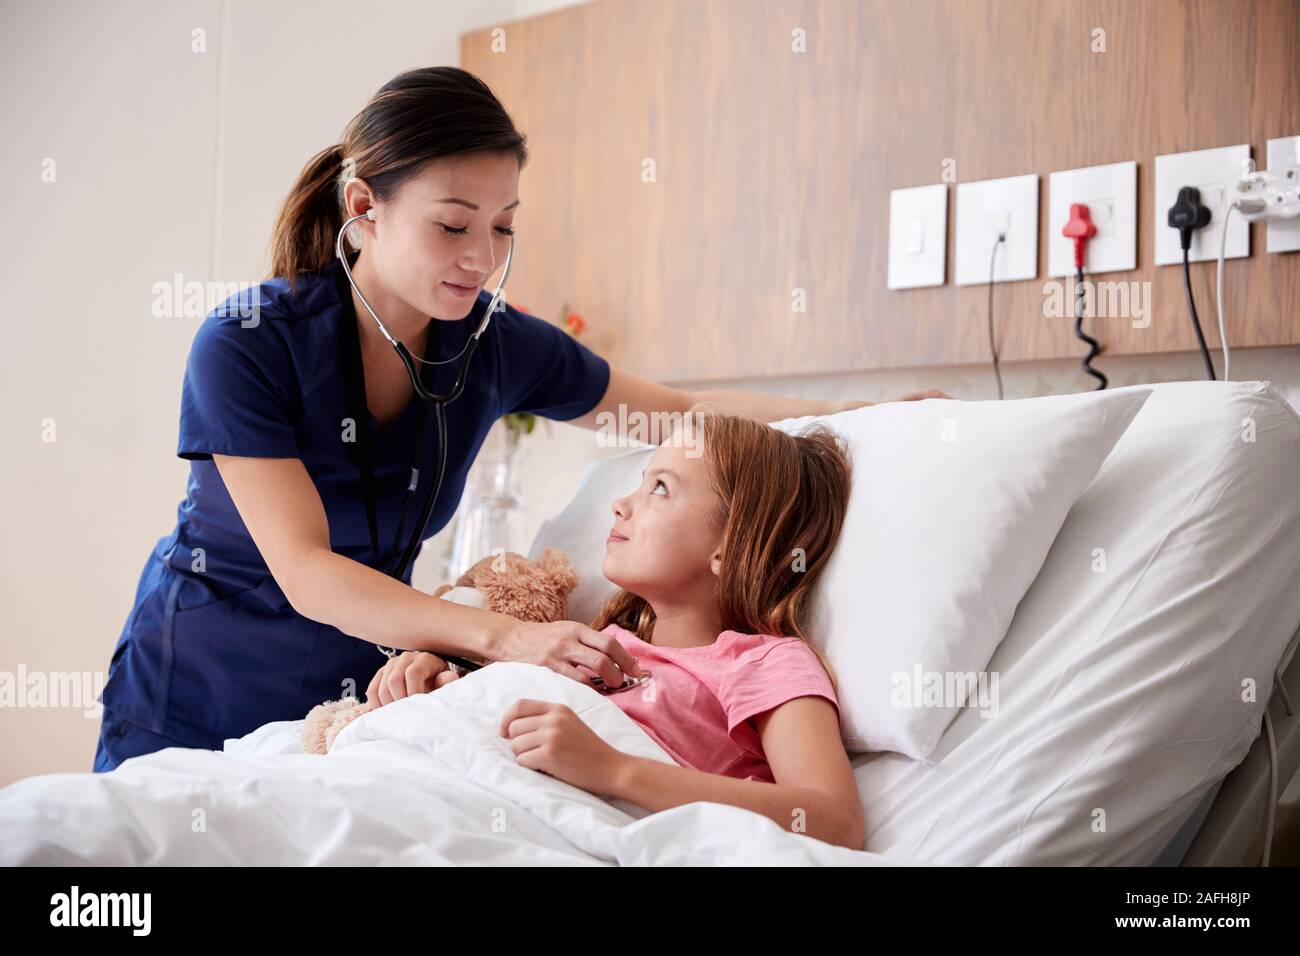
[[424, 780]]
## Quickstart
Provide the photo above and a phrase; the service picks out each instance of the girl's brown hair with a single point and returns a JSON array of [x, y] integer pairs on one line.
[[417, 116], [780, 503]]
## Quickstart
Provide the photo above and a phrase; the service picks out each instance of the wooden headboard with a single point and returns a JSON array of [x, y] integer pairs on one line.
[[689, 170]]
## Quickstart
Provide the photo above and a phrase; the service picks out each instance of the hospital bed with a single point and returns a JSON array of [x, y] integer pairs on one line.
[[1123, 720], [1124, 676], [1122, 737]]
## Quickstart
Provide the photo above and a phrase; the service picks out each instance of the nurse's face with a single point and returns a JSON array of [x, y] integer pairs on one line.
[[669, 551], [424, 243]]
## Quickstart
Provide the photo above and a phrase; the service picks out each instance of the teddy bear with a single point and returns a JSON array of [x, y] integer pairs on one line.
[[506, 583]]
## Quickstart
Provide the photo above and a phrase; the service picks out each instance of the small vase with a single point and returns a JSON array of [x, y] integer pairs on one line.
[[491, 513]]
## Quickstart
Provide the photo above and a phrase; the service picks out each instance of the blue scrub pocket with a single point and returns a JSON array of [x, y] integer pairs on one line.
[[236, 663], [119, 740]]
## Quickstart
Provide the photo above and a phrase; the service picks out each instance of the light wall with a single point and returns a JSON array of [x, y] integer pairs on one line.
[[168, 160]]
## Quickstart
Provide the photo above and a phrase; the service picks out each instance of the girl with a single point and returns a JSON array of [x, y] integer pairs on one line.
[[716, 556]]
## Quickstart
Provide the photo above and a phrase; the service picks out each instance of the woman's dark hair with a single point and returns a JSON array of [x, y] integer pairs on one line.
[[417, 116]]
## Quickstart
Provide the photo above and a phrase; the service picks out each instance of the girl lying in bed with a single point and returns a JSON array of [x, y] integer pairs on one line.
[[715, 554]]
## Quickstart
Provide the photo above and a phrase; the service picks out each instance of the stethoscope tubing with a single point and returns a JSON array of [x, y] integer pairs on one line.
[[439, 402]]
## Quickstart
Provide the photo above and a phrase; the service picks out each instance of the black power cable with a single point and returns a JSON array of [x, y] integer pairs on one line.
[[1196, 321], [1187, 215]]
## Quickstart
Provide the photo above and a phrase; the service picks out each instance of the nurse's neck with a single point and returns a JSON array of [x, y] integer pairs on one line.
[[408, 326]]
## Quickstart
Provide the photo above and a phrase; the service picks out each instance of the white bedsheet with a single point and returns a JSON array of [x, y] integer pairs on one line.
[[424, 780]]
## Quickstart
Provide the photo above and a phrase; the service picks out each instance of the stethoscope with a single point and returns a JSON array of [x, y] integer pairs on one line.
[[437, 401]]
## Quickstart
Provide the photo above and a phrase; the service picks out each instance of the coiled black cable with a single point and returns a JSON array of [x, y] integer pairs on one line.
[[1094, 347]]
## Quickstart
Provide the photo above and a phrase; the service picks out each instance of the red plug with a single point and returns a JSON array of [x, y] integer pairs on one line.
[[1080, 228]]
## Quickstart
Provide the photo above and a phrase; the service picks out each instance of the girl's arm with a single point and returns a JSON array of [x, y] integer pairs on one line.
[[801, 739], [643, 397]]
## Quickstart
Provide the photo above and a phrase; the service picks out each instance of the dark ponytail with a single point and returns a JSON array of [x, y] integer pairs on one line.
[[417, 116]]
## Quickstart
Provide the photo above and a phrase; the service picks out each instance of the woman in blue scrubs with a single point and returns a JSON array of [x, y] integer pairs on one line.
[[271, 593]]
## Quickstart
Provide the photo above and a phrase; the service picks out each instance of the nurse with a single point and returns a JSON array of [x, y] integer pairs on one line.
[[270, 594]]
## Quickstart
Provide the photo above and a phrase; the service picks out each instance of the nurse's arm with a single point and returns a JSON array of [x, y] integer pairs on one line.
[[645, 397], [280, 506]]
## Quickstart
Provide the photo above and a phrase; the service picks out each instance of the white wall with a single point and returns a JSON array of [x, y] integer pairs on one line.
[[169, 160]]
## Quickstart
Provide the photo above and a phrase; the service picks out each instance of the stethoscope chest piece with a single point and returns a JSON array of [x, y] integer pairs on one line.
[[628, 683]]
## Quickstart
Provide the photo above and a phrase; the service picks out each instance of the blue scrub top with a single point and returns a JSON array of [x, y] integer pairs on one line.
[[212, 649]]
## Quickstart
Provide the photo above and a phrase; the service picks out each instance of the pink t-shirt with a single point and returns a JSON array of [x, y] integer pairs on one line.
[[698, 701]]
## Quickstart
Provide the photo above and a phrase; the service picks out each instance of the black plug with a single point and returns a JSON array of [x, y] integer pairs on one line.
[[1187, 214]]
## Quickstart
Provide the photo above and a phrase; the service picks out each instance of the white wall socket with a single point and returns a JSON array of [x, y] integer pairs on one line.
[[1110, 193], [983, 210], [1215, 173], [918, 236], [1283, 235]]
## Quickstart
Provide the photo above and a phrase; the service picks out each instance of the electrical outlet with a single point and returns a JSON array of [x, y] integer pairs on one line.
[[1214, 172], [918, 236], [989, 208], [1284, 235], [1110, 193]]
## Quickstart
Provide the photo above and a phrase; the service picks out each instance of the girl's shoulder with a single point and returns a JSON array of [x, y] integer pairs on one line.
[[740, 643]]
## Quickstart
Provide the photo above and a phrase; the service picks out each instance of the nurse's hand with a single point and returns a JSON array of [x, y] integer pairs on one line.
[[563, 645], [921, 396], [410, 672], [909, 397]]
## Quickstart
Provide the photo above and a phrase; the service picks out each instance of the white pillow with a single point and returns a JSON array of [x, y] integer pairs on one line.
[[581, 528], [953, 509]]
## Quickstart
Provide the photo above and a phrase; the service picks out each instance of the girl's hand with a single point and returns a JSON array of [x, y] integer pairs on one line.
[[563, 645], [553, 739], [410, 672]]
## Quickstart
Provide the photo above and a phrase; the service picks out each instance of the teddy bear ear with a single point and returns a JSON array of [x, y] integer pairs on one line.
[[557, 564], [470, 577]]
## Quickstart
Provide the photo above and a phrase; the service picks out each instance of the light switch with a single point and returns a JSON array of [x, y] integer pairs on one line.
[[989, 208], [1110, 193], [918, 236], [1214, 172]]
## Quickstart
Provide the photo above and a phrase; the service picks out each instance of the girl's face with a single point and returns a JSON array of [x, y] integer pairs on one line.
[[451, 223], [663, 545]]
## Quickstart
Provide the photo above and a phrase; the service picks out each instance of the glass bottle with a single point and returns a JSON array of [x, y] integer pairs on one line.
[[491, 513]]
